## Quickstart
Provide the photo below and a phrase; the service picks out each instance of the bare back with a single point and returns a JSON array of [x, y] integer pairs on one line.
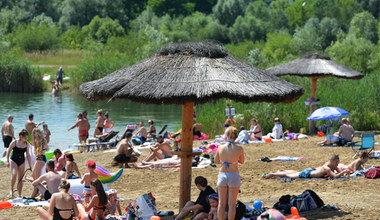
[[7, 129], [123, 147], [63, 200], [231, 154], [166, 149], [29, 126], [53, 180]]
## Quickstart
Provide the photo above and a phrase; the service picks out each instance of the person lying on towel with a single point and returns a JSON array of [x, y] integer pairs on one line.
[[327, 169], [357, 164]]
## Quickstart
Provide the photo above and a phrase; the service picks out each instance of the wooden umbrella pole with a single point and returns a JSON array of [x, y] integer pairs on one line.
[[186, 160], [313, 107]]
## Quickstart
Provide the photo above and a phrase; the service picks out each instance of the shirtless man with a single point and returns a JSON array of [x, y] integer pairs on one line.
[[7, 132], [357, 164], [84, 113], [165, 148], [327, 169], [52, 179], [99, 123], [141, 134], [124, 152], [30, 125], [82, 127], [60, 160], [152, 129]]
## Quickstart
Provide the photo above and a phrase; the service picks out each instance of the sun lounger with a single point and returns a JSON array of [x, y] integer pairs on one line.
[[100, 142]]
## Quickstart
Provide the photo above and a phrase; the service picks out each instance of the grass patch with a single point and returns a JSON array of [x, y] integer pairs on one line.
[[58, 58]]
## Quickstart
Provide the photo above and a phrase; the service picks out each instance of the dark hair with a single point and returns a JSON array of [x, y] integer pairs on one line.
[[128, 134], [84, 111], [50, 164], [201, 181], [100, 191], [31, 116], [69, 156], [80, 115], [106, 114], [57, 151], [242, 128], [364, 155], [276, 120], [23, 132]]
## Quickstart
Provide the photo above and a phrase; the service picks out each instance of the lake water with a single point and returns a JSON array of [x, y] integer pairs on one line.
[[60, 113]]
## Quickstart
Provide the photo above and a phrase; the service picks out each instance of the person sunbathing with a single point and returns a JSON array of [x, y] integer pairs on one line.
[[357, 164], [327, 169], [172, 162], [161, 150], [343, 136]]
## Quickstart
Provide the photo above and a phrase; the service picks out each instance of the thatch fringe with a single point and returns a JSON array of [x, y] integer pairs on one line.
[[204, 48], [315, 55]]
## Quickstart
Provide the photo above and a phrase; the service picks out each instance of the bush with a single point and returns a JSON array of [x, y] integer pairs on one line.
[[17, 75]]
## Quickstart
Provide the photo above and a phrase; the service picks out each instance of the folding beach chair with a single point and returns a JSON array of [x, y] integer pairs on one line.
[[367, 144]]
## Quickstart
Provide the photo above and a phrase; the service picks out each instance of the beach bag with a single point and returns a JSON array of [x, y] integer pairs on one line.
[[318, 201], [303, 202], [143, 207], [373, 173], [240, 210], [283, 205]]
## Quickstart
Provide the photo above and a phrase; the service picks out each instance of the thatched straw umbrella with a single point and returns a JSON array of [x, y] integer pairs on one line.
[[189, 73], [315, 66]]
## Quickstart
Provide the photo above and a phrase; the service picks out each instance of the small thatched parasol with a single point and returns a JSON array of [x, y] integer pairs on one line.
[[315, 66], [188, 73]]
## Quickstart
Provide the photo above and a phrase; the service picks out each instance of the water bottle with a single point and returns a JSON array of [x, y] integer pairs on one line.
[[96, 216]]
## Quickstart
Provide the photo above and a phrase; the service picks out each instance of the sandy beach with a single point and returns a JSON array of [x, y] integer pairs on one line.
[[356, 198]]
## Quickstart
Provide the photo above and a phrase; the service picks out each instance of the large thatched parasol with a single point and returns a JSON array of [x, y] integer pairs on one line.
[[315, 66], [188, 73]]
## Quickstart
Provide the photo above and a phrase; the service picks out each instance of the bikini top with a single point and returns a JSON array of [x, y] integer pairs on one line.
[[99, 208], [227, 164]]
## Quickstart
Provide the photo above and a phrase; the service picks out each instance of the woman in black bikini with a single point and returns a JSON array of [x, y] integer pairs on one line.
[[255, 132], [40, 147], [98, 203], [17, 162], [62, 205]]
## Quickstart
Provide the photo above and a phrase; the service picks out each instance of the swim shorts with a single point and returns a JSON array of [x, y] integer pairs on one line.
[[166, 156], [83, 133], [229, 179], [7, 141], [121, 158], [306, 173], [47, 195]]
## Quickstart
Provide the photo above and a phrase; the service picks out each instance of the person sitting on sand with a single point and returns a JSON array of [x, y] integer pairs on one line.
[[60, 161], [124, 152], [255, 131], [213, 200], [326, 170], [113, 203], [161, 150], [201, 207], [243, 136], [62, 204], [277, 129], [343, 136], [87, 178], [141, 134], [71, 167], [152, 129], [357, 164], [98, 203], [52, 179]]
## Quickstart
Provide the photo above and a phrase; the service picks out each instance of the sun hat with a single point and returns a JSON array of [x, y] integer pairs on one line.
[[112, 191]]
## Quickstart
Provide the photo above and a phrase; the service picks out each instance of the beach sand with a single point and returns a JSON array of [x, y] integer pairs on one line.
[[357, 198]]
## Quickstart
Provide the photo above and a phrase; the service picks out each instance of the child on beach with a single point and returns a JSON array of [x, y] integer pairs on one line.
[[46, 133], [213, 199], [91, 175], [113, 203]]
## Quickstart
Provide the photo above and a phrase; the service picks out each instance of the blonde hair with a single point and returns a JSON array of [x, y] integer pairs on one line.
[[232, 133], [39, 141], [65, 185]]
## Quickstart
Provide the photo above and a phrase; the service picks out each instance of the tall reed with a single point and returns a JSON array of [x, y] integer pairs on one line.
[[17, 75]]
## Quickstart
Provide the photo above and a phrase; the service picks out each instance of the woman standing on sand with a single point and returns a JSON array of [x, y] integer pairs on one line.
[[17, 160], [40, 147], [229, 181]]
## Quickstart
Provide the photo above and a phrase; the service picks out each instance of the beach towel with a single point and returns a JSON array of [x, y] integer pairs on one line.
[[281, 158], [28, 202], [373, 173]]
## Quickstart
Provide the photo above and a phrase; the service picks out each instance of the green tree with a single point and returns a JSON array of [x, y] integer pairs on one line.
[[178, 7], [73, 38], [204, 6], [372, 6], [278, 45], [298, 13], [278, 19], [79, 12], [247, 28], [328, 29], [353, 52], [147, 17], [364, 25], [307, 38], [100, 29], [226, 11]]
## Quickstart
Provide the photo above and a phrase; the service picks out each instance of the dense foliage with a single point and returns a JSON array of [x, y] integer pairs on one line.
[[117, 33]]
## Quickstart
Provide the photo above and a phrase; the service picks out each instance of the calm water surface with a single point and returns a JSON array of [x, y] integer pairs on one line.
[[59, 113]]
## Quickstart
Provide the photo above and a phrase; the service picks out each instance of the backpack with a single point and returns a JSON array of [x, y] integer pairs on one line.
[[240, 210], [373, 173], [318, 201], [283, 205], [303, 202]]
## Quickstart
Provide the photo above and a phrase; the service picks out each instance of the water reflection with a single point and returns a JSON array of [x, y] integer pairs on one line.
[[59, 113]]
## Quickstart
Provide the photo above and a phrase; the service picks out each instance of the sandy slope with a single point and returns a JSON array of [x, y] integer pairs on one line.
[[357, 198]]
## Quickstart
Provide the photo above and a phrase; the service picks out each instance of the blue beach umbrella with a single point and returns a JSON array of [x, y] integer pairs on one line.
[[327, 113]]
